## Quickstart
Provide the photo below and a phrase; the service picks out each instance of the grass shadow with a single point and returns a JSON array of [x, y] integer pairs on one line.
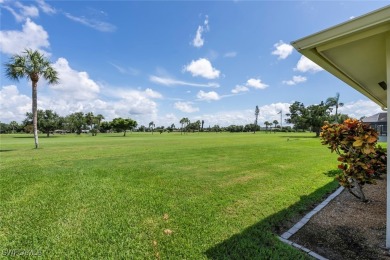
[[114, 136], [3, 151], [260, 242], [333, 173], [298, 137], [40, 137]]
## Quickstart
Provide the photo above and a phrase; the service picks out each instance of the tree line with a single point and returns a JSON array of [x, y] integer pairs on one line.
[[313, 117], [302, 118]]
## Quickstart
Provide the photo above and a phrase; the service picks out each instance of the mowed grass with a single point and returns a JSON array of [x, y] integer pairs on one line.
[[160, 196]]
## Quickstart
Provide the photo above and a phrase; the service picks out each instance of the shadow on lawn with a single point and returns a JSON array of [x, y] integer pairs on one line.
[[260, 242], [40, 137], [298, 137]]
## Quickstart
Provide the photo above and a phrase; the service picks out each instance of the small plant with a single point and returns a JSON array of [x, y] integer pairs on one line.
[[361, 161]]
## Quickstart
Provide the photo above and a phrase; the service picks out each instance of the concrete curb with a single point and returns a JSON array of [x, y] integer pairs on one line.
[[286, 235]]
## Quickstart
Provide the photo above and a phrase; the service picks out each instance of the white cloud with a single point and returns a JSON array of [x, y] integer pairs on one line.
[[283, 50], [13, 104], [174, 82], [23, 11], [32, 35], [242, 117], [306, 65], [208, 96], [46, 8], [295, 80], [152, 94], [239, 89], [202, 67], [74, 84], [231, 54], [360, 108], [95, 24], [198, 41], [134, 102], [127, 70], [113, 102], [186, 107], [256, 83]]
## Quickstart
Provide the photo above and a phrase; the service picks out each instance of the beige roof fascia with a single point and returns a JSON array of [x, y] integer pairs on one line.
[[358, 28]]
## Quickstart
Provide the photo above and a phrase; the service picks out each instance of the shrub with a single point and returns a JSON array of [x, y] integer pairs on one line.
[[361, 161]]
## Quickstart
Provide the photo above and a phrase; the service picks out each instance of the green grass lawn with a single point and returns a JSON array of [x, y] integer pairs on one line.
[[109, 196]]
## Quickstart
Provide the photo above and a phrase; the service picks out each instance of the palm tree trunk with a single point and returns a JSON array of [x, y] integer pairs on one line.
[[35, 112]]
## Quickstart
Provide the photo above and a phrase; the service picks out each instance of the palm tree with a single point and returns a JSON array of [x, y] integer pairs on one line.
[[334, 102], [257, 111], [98, 121], [267, 124], [275, 122], [151, 126], [32, 65], [183, 121]]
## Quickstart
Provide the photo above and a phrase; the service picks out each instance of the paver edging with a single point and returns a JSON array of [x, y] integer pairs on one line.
[[286, 235]]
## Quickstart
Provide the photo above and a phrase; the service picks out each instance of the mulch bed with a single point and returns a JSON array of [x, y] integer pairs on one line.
[[348, 228]]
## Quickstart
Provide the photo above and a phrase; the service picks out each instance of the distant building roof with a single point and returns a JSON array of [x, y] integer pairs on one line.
[[377, 118]]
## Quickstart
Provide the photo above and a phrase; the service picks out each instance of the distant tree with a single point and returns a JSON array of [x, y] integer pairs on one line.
[[32, 65], [90, 119], [75, 122], [275, 122], [267, 124], [298, 116], [95, 125], [334, 102], [4, 128], [105, 127], [28, 129], [257, 112], [197, 125], [99, 119], [216, 128], [202, 124], [48, 120], [235, 128], [142, 128], [151, 126], [318, 114], [13, 125], [184, 121], [171, 128], [340, 118], [120, 124]]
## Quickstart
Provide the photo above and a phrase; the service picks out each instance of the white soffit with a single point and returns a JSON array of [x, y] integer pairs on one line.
[[354, 51]]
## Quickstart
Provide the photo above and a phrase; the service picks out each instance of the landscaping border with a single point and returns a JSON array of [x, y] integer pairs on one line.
[[286, 235]]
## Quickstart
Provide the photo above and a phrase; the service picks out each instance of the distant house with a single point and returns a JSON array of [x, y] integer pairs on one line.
[[379, 123]]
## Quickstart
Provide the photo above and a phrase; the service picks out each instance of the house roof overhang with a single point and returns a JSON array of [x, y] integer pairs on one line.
[[355, 52]]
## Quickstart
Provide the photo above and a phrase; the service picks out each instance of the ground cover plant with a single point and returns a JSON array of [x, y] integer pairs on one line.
[[192, 196]]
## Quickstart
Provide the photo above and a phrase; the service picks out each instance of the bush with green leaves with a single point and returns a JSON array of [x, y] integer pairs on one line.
[[361, 160]]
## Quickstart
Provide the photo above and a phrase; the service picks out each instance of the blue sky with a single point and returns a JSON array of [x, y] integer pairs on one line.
[[164, 60]]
